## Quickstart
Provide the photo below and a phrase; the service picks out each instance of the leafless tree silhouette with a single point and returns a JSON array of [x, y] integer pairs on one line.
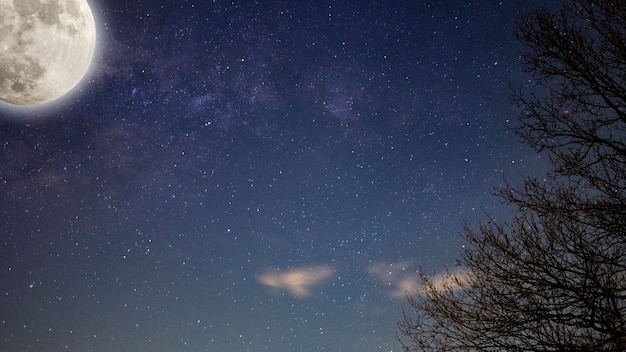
[[554, 277]]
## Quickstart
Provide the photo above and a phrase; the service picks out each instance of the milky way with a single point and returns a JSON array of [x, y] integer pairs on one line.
[[256, 177]]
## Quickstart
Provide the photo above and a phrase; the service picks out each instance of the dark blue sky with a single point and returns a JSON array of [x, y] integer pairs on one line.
[[240, 176]]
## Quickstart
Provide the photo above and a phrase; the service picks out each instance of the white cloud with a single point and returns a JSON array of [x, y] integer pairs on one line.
[[298, 281]]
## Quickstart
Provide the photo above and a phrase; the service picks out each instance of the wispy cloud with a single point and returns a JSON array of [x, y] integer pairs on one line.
[[402, 278], [298, 281], [398, 276], [449, 280]]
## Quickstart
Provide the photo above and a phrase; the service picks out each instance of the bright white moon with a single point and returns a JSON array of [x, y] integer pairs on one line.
[[46, 47]]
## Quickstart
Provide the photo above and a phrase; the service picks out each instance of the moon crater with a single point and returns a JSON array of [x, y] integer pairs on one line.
[[46, 47]]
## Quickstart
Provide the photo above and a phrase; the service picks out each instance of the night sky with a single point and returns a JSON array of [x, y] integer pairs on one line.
[[255, 176]]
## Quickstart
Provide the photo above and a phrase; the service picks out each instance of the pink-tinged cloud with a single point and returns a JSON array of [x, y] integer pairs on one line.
[[298, 281], [398, 277], [448, 280], [401, 279]]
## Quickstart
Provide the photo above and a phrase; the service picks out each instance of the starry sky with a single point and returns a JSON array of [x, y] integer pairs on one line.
[[255, 175]]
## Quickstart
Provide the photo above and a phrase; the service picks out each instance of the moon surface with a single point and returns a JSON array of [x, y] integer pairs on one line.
[[46, 47]]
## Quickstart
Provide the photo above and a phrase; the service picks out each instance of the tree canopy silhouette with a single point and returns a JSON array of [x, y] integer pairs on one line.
[[554, 277]]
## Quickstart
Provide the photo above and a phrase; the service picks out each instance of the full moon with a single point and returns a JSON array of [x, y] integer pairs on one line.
[[46, 47]]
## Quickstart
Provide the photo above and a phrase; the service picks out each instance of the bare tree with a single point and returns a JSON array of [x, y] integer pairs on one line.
[[554, 277]]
